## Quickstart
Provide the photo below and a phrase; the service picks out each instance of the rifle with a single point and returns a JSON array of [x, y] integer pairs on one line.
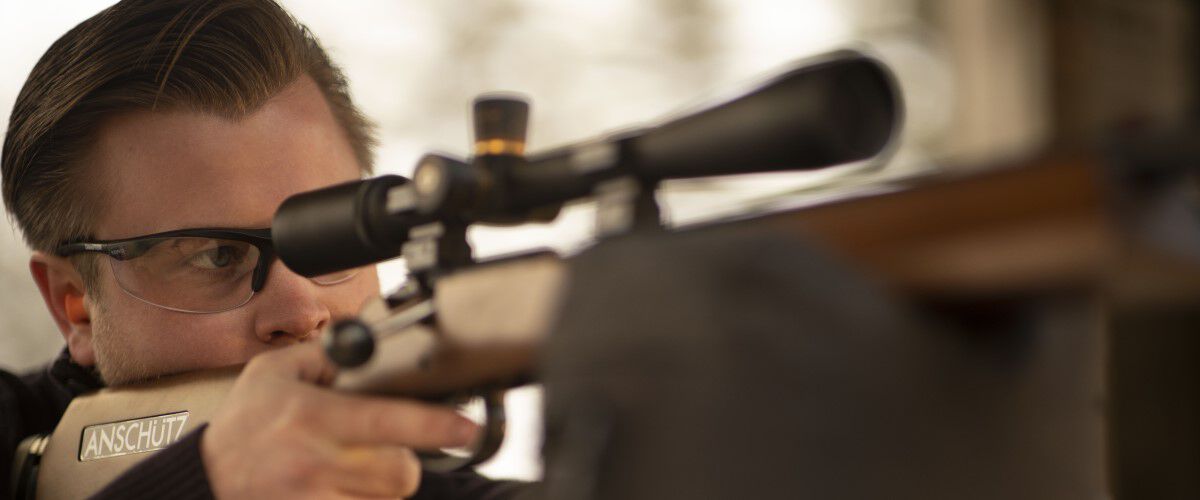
[[451, 330]]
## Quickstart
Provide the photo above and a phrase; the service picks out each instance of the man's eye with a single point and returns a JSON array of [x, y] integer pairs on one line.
[[218, 257]]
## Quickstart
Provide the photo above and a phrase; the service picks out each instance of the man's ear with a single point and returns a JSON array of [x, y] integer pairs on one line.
[[62, 290]]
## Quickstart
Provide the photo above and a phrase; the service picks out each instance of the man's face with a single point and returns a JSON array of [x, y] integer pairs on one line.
[[161, 171]]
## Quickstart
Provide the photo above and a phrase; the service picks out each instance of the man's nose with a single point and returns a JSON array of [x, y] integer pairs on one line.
[[289, 307]]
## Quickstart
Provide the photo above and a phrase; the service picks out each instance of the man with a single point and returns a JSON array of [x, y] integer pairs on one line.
[[146, 148]]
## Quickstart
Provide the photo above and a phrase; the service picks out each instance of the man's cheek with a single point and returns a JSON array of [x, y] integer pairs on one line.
[[164, 342], [208, 341]]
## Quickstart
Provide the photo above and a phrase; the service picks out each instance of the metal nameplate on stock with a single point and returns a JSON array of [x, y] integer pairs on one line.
[[131, 436]]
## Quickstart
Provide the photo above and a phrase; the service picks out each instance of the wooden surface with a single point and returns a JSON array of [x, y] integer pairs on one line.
[[491, 321], [1047, 225]]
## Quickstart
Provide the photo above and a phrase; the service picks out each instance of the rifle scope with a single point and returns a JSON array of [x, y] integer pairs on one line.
[[837, 108]]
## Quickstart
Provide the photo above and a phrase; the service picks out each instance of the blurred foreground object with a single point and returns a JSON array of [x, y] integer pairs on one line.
[[948, 342]]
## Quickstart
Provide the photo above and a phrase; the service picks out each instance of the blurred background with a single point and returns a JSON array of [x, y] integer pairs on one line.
[[985, 82]]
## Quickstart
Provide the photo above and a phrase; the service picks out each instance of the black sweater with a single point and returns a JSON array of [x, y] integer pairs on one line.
[[34, 403]]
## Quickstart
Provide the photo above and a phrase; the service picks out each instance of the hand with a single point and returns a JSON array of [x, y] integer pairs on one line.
[[280, 435]]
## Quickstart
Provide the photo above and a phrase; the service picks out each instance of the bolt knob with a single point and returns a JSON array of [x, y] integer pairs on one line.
[[350, 343]]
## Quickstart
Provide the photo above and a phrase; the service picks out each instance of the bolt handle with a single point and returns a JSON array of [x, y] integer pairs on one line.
[[350, 343]]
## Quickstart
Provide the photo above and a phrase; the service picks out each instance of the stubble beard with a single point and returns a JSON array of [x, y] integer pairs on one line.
[[113, 360]]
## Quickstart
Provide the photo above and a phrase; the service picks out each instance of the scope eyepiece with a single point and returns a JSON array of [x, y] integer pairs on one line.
[[345, 226]]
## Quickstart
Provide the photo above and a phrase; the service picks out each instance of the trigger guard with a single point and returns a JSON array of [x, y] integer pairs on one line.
[[493, 437]]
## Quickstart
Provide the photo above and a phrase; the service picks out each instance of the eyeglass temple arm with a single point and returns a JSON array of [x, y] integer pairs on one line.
[[119, 251]]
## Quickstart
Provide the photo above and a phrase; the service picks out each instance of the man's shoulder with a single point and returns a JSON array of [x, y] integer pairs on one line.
[[51, 388], [25, 410], [34, 402]]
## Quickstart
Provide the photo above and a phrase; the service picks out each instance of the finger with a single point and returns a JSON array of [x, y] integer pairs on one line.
[[358, 419], [376, 471], [337, 495], [305, 362]]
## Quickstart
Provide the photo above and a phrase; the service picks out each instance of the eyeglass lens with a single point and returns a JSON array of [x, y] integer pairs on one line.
[[195, 274]]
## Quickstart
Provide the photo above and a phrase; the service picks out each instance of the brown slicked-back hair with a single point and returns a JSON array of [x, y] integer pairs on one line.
[[226, 57]]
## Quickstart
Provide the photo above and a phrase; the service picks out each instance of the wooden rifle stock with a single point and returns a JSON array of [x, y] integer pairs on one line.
[[492, 318]]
